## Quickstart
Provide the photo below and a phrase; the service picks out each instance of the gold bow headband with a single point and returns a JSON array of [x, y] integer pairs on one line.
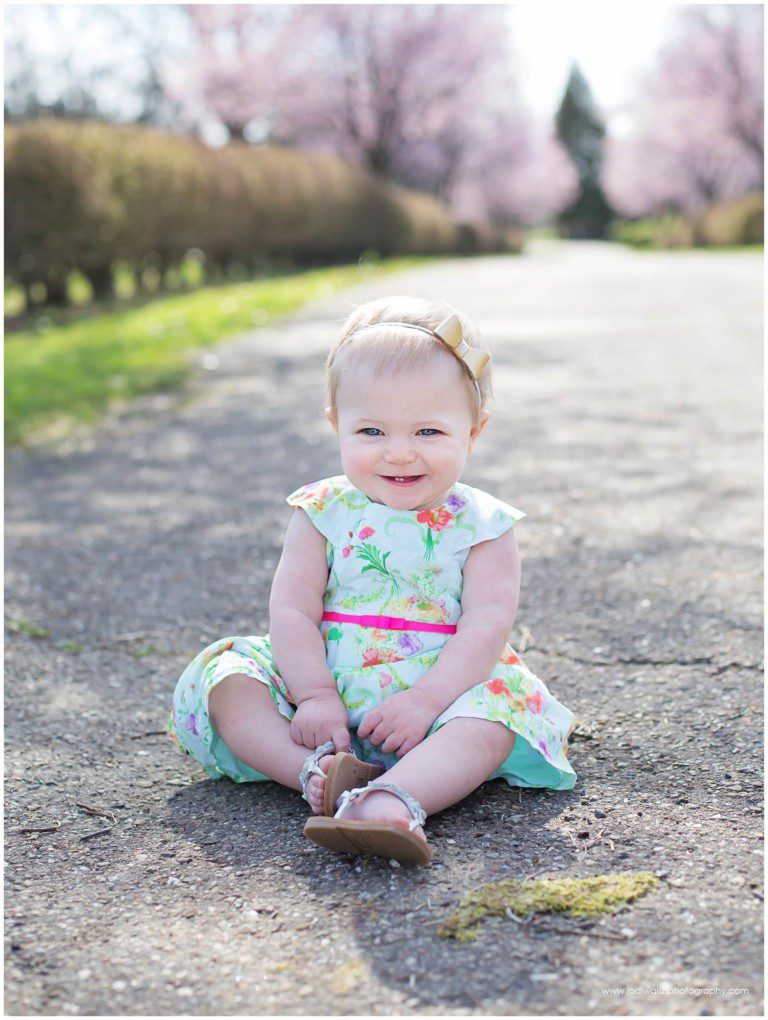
[[449, 331]]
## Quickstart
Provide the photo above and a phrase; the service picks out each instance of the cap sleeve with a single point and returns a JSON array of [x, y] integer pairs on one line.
[[321, 503], [489, 516]]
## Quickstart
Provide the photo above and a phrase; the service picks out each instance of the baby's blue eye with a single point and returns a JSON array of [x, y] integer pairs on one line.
[[371, 431]]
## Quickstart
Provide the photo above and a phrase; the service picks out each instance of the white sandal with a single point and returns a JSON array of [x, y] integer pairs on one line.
[[345, 772], [381, 839], [311, 766]]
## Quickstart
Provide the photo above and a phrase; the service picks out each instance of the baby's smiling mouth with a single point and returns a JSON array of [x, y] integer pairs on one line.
[[402, 479]]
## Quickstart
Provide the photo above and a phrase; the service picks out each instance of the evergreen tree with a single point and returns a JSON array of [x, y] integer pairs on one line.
[[580, 129]]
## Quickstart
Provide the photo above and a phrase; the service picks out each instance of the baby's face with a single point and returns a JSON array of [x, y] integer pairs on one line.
[[416, 425]]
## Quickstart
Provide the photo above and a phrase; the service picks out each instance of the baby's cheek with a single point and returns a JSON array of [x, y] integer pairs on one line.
[[447, 459], [356, 462]]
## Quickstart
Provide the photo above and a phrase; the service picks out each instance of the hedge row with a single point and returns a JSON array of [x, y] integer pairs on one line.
[[82, 195], [732, 223], [739, 221]]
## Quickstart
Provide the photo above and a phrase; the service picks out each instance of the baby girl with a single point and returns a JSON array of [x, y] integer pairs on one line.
[[386, 689]]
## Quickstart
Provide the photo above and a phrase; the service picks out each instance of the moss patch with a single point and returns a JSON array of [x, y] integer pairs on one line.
[[579, 897], [142, 653], [25, 627]]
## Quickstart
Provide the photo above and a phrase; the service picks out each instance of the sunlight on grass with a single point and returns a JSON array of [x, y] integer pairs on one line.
[[76, 370]]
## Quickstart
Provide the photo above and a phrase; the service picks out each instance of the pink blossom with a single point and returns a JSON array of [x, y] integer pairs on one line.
[[698, 117], [425, 94], [534, 702]]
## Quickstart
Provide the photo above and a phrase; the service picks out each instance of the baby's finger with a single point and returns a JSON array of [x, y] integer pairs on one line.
[[393, 741], [296, 733], [340, 739], [380, 734], [370, 719]]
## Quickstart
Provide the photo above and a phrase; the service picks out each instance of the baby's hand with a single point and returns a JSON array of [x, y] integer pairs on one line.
[[320, 718], [400, 722]]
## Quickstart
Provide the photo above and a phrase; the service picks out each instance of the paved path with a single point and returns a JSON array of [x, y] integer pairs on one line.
[[627, 426]]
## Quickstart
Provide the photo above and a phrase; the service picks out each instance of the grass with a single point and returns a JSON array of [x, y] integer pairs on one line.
[[62, 372], [579, 897], [142, 653], [25, 627], [128, 284]]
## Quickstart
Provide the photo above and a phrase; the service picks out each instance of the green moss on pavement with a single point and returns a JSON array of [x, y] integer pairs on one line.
[[25, 627], [579, 897]]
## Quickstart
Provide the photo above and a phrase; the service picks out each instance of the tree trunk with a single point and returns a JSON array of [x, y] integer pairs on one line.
[[214, 272], [102, 282], [56, 291], [26, 286]]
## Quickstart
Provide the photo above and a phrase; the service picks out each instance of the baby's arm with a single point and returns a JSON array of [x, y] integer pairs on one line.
[[490, 591], [295, 612]]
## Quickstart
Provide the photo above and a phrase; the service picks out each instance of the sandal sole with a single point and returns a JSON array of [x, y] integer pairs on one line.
[[345, 773], [379, 839]]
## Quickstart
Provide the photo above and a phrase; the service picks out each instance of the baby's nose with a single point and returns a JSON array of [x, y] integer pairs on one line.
[[400, 453]]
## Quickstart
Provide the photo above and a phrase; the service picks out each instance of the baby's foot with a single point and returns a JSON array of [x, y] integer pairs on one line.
[[382, 807], [316, 786]]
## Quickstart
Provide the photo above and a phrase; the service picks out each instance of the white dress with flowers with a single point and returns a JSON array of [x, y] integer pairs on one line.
[[400, 563]]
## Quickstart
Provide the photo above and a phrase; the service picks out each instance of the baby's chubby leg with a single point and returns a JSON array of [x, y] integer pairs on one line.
[[441, 770], [247, 720]]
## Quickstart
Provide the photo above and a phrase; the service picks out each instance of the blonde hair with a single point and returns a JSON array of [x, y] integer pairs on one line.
[[392, 348]]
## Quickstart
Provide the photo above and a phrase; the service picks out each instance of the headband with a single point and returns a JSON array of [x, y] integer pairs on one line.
[[449, 332]]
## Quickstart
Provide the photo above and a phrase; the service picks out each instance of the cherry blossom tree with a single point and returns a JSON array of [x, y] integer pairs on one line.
[[517, 174], [235, 69], [424, 94], [395, 78], [699, 134]]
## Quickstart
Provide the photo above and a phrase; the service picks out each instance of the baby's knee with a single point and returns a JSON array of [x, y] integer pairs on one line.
[[499, 739], [494, 736], [228, 698]]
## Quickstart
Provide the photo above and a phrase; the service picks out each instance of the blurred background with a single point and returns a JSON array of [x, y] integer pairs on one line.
[[200, 169]]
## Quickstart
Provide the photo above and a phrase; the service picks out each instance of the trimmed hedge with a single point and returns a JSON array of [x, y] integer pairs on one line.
[[732, 223], [739, 221], [82, 195]]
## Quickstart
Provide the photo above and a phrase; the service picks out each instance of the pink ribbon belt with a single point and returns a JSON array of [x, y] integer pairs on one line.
[[390, 622]]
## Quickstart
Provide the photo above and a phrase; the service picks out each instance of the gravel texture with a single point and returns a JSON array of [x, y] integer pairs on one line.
[[627, 425]]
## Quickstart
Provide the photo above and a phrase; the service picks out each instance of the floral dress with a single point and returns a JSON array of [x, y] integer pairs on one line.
[[398, 563]]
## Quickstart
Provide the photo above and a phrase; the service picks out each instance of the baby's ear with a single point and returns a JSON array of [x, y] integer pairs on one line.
[[329, 415], [477, 429]]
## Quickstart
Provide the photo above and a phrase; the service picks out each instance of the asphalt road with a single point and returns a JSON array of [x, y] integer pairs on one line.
[[627, 425]]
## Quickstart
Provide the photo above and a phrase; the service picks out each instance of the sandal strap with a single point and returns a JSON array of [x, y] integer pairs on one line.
[[418, 812], [311, 767]]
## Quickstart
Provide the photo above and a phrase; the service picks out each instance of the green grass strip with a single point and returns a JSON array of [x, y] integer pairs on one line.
[[75, 371], [579, 897]]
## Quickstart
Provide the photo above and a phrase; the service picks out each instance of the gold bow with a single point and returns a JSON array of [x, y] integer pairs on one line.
[[449, 331]]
